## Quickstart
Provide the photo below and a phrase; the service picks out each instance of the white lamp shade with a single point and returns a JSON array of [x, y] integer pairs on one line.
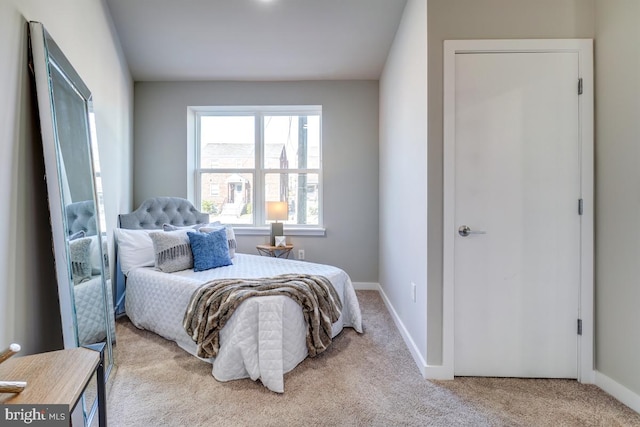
[[277, 211]]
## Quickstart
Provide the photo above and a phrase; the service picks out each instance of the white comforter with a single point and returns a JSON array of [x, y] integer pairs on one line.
[[265, 337], [90, 312]]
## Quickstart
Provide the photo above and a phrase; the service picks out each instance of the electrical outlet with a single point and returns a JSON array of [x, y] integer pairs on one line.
[[413, 292], [300, 253]]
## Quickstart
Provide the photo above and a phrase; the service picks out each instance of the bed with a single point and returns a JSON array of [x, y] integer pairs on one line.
[[88, 288], [263, 339]]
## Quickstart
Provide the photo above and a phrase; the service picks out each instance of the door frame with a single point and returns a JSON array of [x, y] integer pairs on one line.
[[584, 48]]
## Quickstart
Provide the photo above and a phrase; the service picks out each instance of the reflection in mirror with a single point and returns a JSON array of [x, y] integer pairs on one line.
[[77, 213]]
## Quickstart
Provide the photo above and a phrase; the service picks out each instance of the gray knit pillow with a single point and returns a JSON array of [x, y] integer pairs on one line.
[[80, 255], [172, 250]]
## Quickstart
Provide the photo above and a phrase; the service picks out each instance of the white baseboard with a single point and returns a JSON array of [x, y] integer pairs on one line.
[[413, 349], [617, 390], [437, 372], [366, 286], [430, 372]]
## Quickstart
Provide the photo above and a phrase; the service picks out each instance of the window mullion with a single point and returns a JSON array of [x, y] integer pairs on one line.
[[308, 171], [225, 170]]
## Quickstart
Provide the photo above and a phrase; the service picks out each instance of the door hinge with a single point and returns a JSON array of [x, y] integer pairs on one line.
[[580, 207], [580, 86], [579, 326]]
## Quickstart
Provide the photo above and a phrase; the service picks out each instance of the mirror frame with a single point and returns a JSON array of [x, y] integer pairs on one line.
[[45, 55]]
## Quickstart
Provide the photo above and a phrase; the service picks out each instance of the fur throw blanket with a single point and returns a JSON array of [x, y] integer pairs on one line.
[[213, 303]]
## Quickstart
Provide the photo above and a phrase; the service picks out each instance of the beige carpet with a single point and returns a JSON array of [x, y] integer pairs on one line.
[[362, 380]]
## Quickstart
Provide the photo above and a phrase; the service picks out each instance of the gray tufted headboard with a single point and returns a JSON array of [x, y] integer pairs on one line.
[[155, 212], [152, 214], [81, 216]]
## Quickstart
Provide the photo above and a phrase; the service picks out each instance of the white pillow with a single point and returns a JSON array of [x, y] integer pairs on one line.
[[95, 256], [170, 227], [135, 249]]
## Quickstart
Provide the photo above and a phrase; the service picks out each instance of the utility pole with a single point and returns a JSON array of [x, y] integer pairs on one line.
[[302, 164]]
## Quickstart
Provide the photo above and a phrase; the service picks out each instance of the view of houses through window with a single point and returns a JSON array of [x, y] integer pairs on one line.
[[252, 156]]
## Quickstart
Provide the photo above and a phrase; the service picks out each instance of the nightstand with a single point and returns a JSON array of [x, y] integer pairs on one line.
[[275, 251]]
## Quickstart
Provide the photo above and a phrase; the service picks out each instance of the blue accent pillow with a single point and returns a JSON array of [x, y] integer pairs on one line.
[[210, 250]]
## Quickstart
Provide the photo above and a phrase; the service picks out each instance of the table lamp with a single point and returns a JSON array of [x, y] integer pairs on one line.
[[277, 211]]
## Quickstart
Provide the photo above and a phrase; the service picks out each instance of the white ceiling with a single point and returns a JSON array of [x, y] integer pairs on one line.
[[176, 40]]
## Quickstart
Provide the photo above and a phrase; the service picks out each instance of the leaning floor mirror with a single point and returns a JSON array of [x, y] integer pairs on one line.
[[75, 202]]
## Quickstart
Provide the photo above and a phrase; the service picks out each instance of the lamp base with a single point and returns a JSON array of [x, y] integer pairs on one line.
[[276, 230]]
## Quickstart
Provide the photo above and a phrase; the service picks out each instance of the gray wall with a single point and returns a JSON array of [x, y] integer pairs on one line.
[[617, 57], [403, 178], [485, 19], [29, 311], [350, 156]]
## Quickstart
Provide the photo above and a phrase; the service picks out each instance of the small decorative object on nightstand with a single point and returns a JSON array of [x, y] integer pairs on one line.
[[275, 251]]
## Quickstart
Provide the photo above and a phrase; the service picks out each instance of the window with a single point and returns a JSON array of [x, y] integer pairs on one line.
[[248, 156]]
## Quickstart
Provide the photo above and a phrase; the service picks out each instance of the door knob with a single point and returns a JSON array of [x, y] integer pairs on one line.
[[465, 230]]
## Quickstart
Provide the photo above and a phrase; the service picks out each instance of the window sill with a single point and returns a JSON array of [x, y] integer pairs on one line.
[[288, 231]]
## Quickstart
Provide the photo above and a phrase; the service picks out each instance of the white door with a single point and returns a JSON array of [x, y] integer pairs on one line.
[[517, 180]]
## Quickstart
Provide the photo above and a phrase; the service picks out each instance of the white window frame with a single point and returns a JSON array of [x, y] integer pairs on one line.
[[259, 227]]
